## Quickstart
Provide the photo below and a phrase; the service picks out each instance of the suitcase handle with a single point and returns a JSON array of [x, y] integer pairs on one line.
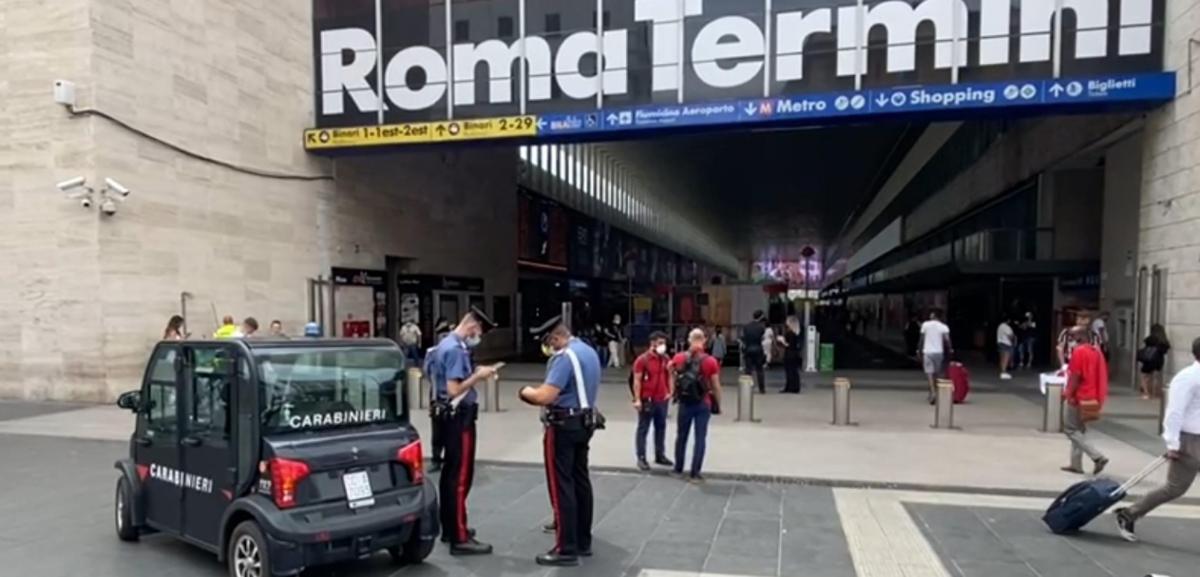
[[1138, 478]]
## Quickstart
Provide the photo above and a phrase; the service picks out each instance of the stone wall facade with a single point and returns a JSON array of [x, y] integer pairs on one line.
[[226, 204]]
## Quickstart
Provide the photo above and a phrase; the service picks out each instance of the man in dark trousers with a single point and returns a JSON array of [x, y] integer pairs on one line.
[[570, 417], [754, 358], [698, 391], [456, 409], [652, 389]]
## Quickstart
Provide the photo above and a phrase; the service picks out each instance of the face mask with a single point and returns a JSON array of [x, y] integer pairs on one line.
[[546, 350], [616, 321], [661, 349], [473, 341]]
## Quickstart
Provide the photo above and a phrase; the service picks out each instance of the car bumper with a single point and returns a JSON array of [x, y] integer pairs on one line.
[[305, 537]]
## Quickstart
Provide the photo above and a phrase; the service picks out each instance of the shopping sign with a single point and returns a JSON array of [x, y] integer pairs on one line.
[[724, 50]]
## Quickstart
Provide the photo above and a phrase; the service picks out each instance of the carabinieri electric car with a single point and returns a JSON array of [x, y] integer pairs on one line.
[[277, 455]]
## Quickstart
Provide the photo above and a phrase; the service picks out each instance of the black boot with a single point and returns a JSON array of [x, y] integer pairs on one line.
[[470, 547], [662, 460], [556, 559]]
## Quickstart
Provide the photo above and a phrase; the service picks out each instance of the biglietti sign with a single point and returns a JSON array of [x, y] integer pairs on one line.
[[526, 68]]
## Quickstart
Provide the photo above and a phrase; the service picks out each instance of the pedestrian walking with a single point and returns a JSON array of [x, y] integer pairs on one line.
[[228, 329], [912, 335], [1153, 357], [698, 392], [249, 327], [1181, 431], [616, 345], [1027, 338], [754, 358], [935, 346], [174, 330], [793, 355], [569, 399], [1005, 337], [410, 340], [1086, 392], [653, 385], [455, 380], [768, 346], [719, 347]]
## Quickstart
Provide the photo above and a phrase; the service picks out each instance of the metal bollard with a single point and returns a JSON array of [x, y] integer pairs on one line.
[[426, 386], [943, 413], [1052, 412], [841, 401], [413, 390], [1162, 407], [745, 409], [491, 395]]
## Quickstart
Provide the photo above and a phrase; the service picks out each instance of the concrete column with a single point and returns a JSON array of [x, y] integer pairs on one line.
[[1169, 224]]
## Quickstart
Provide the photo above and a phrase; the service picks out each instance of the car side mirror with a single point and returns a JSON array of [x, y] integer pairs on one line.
[[130, 401]]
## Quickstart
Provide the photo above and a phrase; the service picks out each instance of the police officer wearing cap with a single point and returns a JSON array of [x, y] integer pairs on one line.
[[455, 411], [570, 417]]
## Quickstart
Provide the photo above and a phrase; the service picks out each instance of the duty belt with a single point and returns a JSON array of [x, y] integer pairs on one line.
[[443, 410], [558, 417]]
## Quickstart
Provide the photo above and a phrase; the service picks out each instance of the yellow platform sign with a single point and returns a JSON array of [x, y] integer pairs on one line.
[[420, 132]]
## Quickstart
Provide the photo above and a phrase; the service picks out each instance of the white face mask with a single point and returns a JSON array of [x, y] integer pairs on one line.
[[473, 341], [617, 321], [661, 349]]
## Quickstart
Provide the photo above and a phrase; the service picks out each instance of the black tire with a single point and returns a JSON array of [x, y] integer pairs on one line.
[[123, 511], [415, 550], [247, 554]]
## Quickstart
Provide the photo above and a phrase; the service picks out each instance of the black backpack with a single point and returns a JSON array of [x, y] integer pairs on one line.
[[689, 384]]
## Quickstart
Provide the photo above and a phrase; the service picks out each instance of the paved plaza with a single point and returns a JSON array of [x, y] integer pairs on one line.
[[789, 496]]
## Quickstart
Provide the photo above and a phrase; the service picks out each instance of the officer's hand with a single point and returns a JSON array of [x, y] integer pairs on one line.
[[637, 405], [485, 372], [1174, 455]]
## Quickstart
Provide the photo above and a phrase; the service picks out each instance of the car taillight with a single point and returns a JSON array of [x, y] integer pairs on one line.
[[412, 457], [286, 475]]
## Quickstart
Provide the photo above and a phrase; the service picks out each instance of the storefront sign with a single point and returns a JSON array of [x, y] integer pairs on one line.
[[358, 277], [730, 62]]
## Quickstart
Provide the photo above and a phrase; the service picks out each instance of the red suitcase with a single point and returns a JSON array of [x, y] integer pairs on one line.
[[962, 381]]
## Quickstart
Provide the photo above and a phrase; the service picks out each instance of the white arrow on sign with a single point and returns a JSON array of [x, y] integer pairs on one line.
[[1056, 90], [541, 124], [612, 118], [750, 109], [881, 100]]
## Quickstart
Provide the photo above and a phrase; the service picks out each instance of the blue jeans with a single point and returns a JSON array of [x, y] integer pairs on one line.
[[652, 412], [689, 414]]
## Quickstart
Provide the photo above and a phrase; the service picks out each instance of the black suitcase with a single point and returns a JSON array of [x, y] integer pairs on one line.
[[1086, 500]]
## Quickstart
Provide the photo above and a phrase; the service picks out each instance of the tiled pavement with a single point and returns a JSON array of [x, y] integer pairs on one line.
[[57, 507]]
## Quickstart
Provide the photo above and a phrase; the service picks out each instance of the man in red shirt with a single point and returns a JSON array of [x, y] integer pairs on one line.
[[1087, 390], [698, 390], [652, 389]]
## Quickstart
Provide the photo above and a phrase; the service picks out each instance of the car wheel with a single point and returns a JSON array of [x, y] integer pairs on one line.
[[415, 550], [123, 511], [247, 554]]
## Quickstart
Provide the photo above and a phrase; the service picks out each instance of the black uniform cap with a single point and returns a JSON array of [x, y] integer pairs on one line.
[[485, 322], [544, 330]]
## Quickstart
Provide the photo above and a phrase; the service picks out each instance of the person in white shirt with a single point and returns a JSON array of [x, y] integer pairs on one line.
[[1181, 431], [935, 345], [1004, 346]]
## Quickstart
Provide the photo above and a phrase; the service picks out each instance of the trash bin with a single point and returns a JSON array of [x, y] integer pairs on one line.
[[826, 358]]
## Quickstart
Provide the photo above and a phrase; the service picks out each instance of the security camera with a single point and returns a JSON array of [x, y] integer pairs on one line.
[[108, 207], [86, 202], [68, 185], [116, 187]]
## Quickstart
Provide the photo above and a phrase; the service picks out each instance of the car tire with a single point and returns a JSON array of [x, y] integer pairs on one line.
[[248, 555], [414, 551], [123, 511]]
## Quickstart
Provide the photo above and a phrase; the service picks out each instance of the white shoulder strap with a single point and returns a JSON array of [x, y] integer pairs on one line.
[[580, 390]]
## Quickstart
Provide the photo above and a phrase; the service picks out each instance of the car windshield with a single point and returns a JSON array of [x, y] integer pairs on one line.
[[325, 388]]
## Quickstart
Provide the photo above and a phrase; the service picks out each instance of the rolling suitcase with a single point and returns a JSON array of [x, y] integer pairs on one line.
[[1086, 500], [962, 381]]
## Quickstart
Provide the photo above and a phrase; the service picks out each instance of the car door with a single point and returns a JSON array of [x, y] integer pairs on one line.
[[156, 441], [209, 388]]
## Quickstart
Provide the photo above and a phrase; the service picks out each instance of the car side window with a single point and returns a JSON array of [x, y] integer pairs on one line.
[[210, 387], [161, 415]]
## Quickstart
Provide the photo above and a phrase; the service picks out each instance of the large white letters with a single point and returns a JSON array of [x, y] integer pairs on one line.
[[901, 20], [710, 48], [338, 77], [499, 58]]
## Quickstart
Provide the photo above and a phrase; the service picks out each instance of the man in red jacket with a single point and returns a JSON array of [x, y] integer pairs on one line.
[[1087, 390]]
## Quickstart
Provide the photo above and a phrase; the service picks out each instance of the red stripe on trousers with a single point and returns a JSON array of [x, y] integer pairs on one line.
[[552, 479], [464, 463]]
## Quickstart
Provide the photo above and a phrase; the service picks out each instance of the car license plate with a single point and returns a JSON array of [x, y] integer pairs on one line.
[[358, 489]]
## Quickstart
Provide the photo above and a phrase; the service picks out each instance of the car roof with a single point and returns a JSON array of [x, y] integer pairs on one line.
[[264, 343]]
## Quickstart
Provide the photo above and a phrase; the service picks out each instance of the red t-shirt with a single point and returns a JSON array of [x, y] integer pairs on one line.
[[652, 367], [709, 368], [1087, 362]]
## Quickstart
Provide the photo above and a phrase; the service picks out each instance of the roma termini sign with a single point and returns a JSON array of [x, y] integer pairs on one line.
[[527, 68]]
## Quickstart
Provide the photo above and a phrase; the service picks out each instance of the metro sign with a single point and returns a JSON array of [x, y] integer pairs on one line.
[[726, 52]]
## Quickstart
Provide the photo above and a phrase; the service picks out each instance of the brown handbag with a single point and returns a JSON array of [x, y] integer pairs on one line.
[[1089, 410]]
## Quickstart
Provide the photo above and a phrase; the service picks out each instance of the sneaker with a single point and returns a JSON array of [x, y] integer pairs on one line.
[[1072, 470], [675, 473], [1101, 463], [663, 461], [470, 547], [643, 465], [1125, 525], [1005, 377], [696, 479]]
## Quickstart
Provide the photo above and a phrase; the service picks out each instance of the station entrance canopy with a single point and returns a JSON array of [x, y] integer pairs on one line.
[[552, 70]]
